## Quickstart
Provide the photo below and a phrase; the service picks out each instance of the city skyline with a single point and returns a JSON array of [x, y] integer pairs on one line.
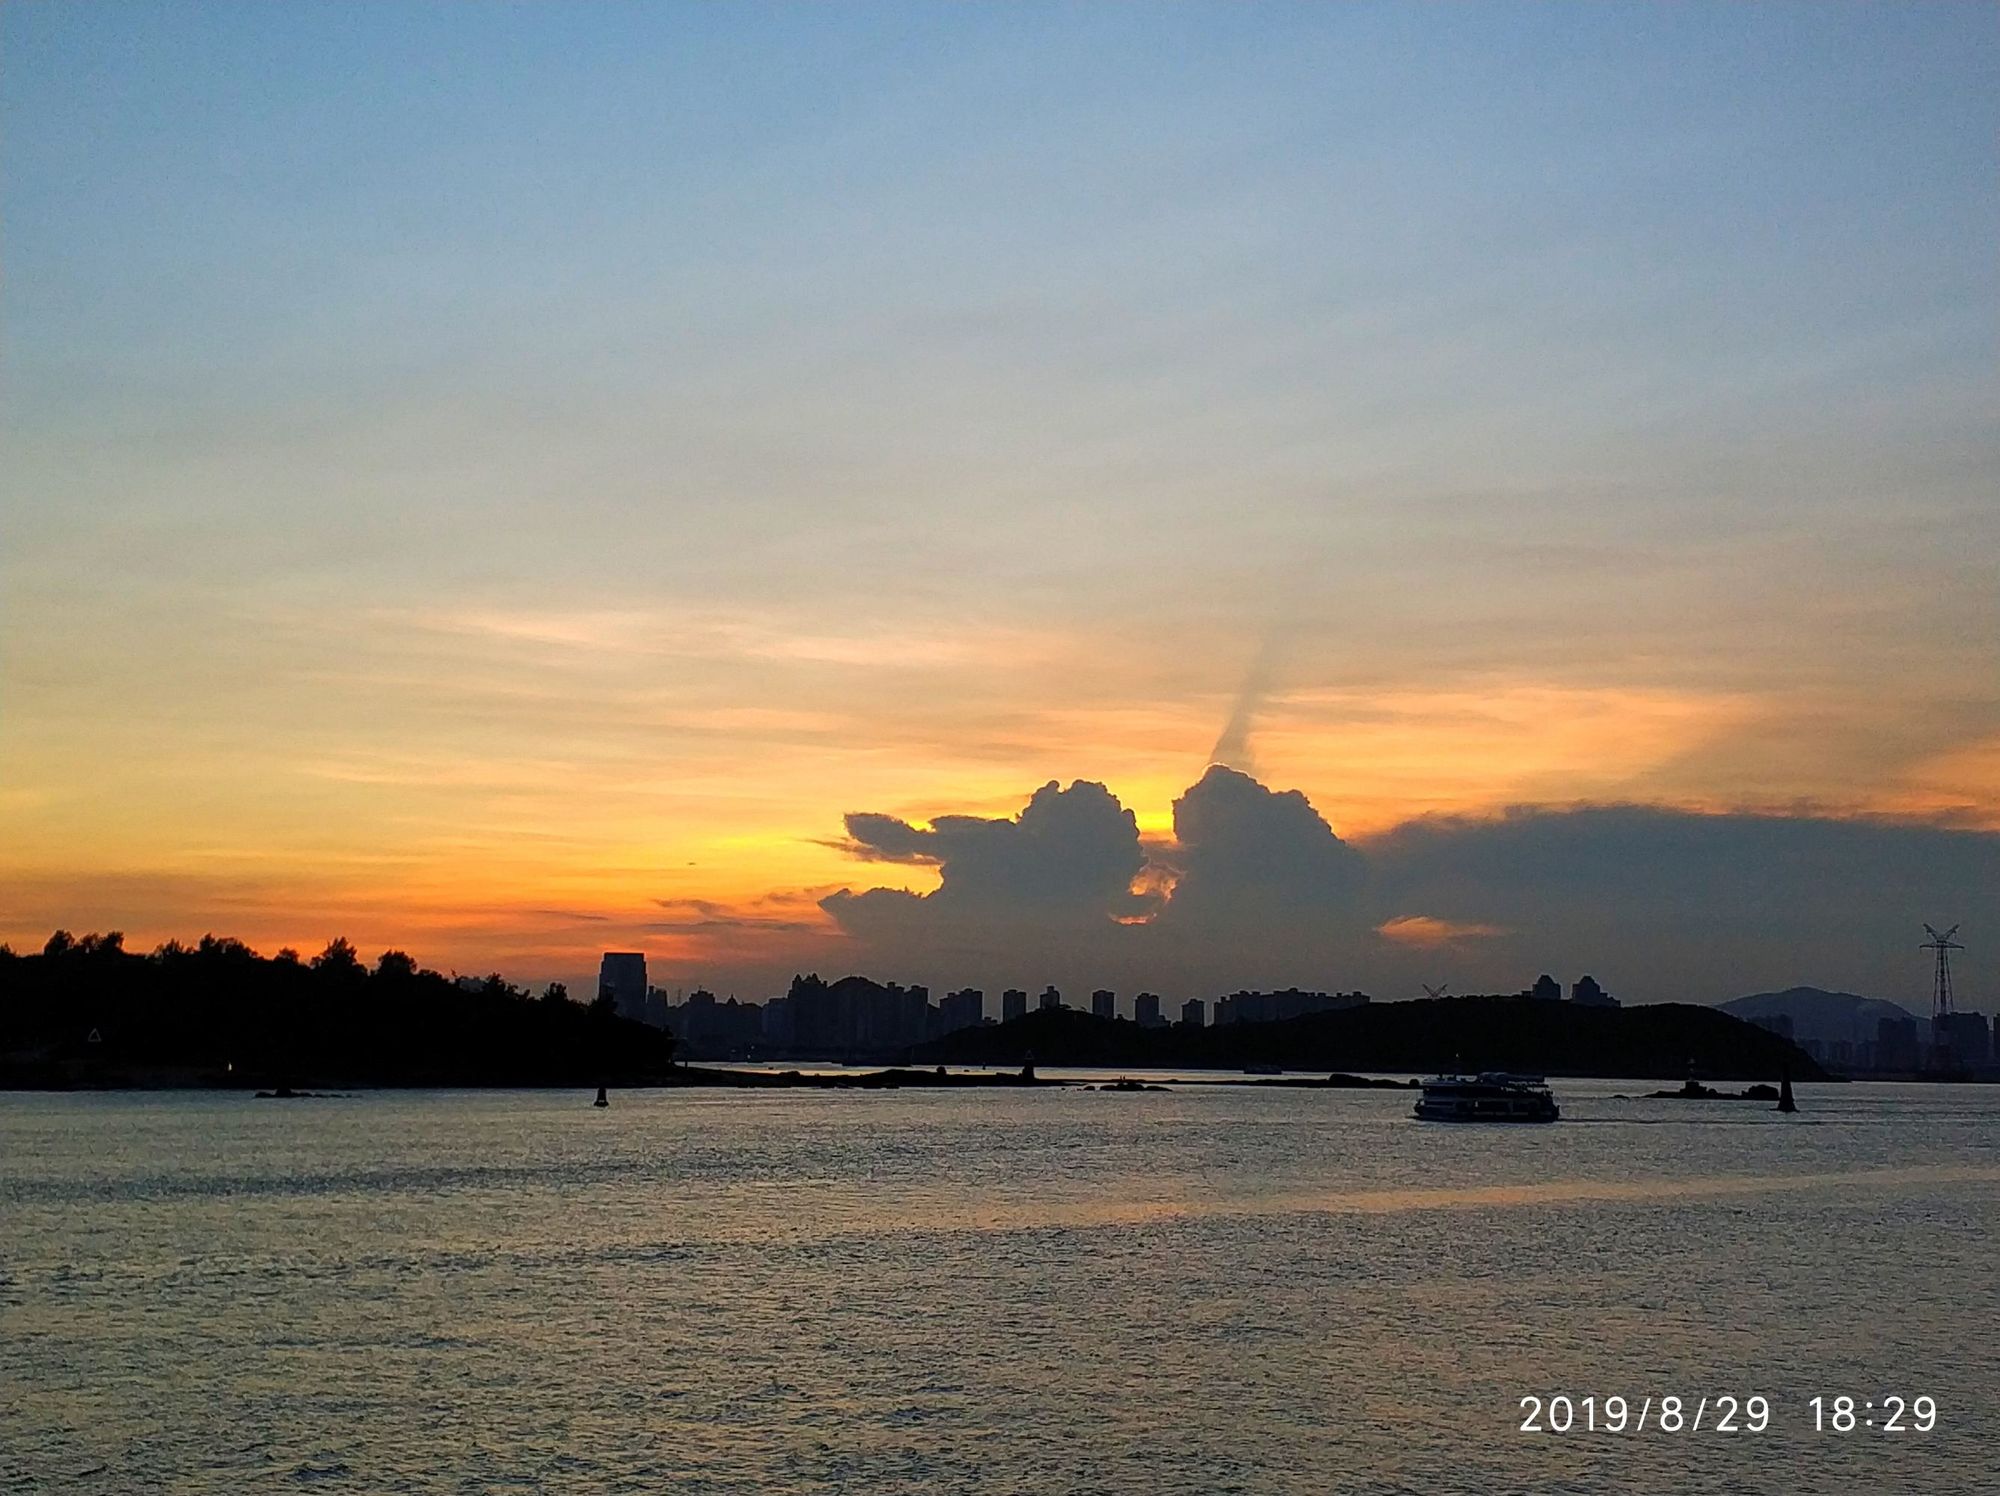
[[516, 488]]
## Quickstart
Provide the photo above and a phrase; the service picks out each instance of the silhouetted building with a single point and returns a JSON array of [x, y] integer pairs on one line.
[[623, 975], [850, 1018], [779, 1031], [963, 1009], [1587, 994], [1104, 1003], [693, 1022], [709, 1030], [1960, 1041], [1547, 989], [1050, 1000], [1276, 1007], [1194, 1013], [1146, 1009], [1013, 1004], [1896, 1044]]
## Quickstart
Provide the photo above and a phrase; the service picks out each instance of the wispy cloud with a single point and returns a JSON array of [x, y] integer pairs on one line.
[[1427, 931]]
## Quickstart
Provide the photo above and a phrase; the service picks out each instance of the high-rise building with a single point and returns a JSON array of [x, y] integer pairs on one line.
[[1959, 1040], [1146, 1008], [1547, 989], [1051, 999], [1586, 993], [695, 1022], [1013, 1004], [1277, 1007], [1194, 1013], [961, 1010], [1104, 1003], [1895, 1044], [623, 975]]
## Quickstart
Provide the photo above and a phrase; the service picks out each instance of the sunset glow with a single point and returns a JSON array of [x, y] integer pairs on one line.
[[510, 554]]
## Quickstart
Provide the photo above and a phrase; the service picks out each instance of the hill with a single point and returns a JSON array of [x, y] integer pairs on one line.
[[1825, 1017], [1550, 1038]]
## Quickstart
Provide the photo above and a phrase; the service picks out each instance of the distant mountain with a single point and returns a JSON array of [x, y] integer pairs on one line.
[[1826, 1017]]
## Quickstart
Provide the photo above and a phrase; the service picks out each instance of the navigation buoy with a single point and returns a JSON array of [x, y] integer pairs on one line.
[[602, 1098], [1785, 1102]]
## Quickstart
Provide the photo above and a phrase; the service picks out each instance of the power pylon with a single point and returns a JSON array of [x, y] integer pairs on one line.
[[1944, 945]]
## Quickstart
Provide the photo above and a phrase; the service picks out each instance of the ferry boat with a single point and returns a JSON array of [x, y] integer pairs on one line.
[[1491, 1097]]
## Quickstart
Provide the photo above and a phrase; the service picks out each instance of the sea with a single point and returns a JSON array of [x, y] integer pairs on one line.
[[1211, 1288]]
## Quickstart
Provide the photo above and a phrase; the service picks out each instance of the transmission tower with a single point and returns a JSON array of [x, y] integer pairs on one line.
[[1944, 945]]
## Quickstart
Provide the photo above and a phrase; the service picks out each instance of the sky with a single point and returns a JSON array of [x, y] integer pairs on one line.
[[510, 482]]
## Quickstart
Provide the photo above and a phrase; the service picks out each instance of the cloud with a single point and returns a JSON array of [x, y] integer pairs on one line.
[[1234, 747], [1255, 887], [1701, 905], [1068, 859], [1427, 930], [880, 838], [1247, 855]]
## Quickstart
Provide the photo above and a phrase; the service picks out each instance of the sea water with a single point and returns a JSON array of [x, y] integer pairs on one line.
[[1208, 1289]]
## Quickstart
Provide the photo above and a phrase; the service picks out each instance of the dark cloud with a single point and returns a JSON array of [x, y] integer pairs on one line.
[[1247, 855], [880, 838], [1255, 888], [1702, 905], [1069, 858]]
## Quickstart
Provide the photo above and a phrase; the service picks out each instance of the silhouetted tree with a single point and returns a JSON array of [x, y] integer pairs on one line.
[[183, 1013], [286, 956], [338, 959], [555, 992]]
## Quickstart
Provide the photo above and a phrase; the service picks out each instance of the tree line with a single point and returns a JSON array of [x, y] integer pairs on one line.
[[86, 1011]]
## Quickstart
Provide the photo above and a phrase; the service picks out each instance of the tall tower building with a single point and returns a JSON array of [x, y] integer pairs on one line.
[[623, 975]]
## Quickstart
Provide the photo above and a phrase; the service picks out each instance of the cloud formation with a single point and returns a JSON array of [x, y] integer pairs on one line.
[[1255, 887], [1068, 859], [1251, 856], [1428, 930]]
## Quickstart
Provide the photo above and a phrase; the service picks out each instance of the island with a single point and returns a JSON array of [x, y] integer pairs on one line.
[[1424, 1036]]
